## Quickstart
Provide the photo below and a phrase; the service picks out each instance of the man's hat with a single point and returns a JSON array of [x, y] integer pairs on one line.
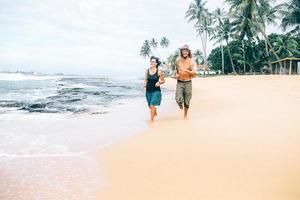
[[185, 47]]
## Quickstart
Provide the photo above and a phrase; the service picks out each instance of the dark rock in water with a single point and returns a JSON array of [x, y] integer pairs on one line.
[[43, 111], [99, 93], [125, 87], [11, 104], [96, 93], [71, 95], [37, 105], [73, 100]]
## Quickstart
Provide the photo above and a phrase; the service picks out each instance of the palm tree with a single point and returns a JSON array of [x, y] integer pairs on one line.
[[198, 12], [153, 43], [269, 16], [164, 42], [253, 60], [198, 56], [240, 56], [291, 16], [172, 58], [218, 33], [244, 55], [286, 46], [250, 19], [222, 33], [146, 49]]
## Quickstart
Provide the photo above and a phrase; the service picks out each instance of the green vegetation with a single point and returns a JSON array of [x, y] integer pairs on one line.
[[242, 44]]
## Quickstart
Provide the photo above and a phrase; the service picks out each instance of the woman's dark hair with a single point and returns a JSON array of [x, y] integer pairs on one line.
[[158, 63], [190, 53]]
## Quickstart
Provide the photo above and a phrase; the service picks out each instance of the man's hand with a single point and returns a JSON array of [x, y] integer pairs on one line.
[[175, 75]]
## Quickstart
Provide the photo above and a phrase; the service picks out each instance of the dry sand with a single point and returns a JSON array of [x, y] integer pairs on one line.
[[242, 141]]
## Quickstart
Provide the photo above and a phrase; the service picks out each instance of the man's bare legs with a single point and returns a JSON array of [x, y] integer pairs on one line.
[[185, 113]]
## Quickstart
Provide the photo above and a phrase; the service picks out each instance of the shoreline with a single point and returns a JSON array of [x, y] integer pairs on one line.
[[45, 149], [229, 149]]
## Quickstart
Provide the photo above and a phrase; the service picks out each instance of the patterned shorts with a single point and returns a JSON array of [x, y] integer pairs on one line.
[[184, 93]]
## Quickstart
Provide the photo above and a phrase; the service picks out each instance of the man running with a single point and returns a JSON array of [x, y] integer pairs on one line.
[[185, 70]]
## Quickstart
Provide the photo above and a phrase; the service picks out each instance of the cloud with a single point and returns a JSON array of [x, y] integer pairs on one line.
[[98, 35]]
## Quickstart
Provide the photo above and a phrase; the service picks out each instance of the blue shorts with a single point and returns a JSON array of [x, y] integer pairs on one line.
[[153, 98]]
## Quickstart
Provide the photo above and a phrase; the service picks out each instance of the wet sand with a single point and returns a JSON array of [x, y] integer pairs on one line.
[[242, 141]]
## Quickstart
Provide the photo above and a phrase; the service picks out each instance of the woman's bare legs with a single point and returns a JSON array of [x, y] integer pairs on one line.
[[153, 113]]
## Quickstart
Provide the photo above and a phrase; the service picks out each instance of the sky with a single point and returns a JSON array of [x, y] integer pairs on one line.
[[91, 37]]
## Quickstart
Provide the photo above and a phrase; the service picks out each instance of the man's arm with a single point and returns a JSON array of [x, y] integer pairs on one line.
[[175, 71]]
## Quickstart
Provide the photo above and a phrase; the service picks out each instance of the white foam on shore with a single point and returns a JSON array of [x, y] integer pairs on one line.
[[50, 151]]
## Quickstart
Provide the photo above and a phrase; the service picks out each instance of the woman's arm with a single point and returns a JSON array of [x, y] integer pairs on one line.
[[146, 79], [161, 78]]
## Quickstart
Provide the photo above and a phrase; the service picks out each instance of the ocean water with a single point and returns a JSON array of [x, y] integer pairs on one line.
[[50, 126]]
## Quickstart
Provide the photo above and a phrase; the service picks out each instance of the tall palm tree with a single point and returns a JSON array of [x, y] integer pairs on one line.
[[268, 16], [244, 55], [198, 13], [250, 19], [218, 33], [222, 32], [146, 49], [291, 16], [240, 56]]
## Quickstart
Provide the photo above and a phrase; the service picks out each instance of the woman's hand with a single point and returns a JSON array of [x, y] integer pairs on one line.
[[157, 84], [144, 89]]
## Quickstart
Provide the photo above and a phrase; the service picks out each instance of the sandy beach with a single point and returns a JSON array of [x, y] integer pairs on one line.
[[242, 141]]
